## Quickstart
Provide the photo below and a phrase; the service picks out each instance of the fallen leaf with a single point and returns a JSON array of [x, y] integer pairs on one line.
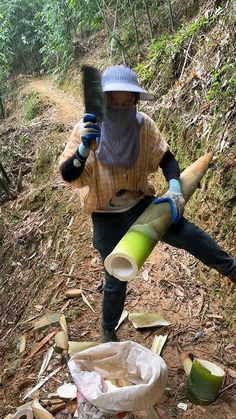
[[46, 320], [40, 344], [46, 361], [141, 320], [145, 275], [22, 344], [158, 343], [38, 307], [85, 300]]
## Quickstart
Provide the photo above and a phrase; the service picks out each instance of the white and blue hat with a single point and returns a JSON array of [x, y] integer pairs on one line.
[[119, 78]]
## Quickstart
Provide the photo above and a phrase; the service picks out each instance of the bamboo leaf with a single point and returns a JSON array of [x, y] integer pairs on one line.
[[141, 320], [158, 343], [46, 361], [40, 344], [85, 300]]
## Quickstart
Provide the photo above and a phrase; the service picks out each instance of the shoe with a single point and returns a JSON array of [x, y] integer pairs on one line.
[[108, 335]]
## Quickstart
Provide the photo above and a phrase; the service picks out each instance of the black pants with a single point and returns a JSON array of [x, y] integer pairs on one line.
[[109, 228]]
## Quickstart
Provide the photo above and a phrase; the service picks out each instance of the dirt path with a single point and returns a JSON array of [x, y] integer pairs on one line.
[[68, 109], [58, 255]]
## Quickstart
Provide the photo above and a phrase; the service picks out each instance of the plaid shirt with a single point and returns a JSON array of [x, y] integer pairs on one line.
[[100, 182]]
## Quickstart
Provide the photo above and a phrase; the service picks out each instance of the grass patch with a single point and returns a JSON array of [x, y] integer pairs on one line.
[[34, 106], [167, 52], [44, 166]]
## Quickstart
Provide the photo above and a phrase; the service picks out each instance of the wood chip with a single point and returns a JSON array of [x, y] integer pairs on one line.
[[40, 344]]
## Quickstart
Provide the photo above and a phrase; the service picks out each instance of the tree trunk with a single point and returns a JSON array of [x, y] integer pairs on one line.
[[171, 16], [149, 19], [135, 23]]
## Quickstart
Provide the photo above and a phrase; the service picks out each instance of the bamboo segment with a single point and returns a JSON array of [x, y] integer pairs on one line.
[[204, 382], [136, 245]]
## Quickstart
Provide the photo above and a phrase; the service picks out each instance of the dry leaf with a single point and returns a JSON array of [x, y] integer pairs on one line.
[[158, 343], [140, 320], [22, 344], [40, 344], [38, 307], [46, 320], [85, 300], [46, 361], [145, 275]]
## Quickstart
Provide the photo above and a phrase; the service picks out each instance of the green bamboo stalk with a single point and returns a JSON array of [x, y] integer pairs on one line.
[[136, 245], [204, 382]]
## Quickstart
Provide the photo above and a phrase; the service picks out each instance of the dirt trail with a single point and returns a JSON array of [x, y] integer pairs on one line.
[[169, 283], [68, 109]]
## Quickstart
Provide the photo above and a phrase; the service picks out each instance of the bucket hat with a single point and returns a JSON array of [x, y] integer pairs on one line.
[[119, 78]]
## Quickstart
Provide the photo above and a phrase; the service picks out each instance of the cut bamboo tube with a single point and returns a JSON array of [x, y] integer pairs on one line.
[[204, 382], [136, 245]]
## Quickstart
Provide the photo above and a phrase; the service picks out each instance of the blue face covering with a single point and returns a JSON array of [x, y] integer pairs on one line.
[[119, 142]]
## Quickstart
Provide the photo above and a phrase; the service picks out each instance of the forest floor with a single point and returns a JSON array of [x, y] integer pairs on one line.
[[46, 248]]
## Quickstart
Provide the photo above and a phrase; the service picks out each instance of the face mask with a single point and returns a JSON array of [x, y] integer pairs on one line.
[[119, 142]]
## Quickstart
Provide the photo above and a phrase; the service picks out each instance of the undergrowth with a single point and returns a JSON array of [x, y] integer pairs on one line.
[[34, 106]]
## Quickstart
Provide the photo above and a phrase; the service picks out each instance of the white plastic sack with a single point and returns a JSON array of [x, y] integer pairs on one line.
[[119, 360]]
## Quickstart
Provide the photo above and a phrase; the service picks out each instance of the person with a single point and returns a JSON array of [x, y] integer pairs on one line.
[[114, 177]]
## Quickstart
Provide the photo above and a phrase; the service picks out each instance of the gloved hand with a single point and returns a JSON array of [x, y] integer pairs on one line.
[[89, 132], [175, 198]]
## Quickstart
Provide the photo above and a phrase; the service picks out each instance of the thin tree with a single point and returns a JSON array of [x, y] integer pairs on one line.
[[132, 7], [171, 16], [149, 18]]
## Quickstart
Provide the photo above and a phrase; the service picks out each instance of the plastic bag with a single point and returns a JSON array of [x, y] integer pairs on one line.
[[130, 361]]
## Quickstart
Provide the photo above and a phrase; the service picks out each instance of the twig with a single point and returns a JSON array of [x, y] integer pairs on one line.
[[227, 387], [176, 395], [186, 57]]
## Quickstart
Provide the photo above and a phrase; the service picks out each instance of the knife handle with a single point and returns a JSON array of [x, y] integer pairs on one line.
[[90, 117]]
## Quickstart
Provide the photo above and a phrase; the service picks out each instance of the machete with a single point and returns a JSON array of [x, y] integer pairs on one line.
[[94, 98]]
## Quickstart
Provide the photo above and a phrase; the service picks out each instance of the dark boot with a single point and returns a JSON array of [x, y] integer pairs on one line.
[[108, 335]]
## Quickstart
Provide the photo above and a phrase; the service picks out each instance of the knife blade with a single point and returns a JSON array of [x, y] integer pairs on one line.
[[94, 98]]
